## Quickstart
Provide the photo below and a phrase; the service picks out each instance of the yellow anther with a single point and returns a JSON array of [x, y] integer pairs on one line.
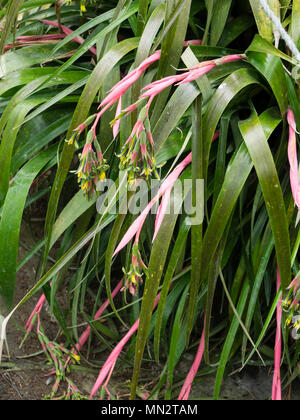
[[84, 186], [76, 357]]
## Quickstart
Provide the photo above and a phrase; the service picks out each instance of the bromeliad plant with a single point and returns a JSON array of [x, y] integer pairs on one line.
[[131, 91]]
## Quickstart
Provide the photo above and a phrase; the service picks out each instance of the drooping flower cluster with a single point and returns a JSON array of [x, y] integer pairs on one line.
[[276, 384], [137, 154], [138, 268], [134, 276], [290, 305], [56, 354], [91, 168], [92, 165]]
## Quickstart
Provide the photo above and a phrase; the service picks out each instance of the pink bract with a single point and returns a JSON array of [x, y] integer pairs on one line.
[[276, 387]]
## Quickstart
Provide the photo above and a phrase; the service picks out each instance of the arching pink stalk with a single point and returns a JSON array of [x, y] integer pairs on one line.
[[276, 387], [162, 211], [85, 335], [108, 366], [139, 221], [22, 41], [294, 285], [37, 309], [165, 188], [186, 388], [139, 70], [156, 87], [116, 126], [39, 37], [293, 159], [192, 42], [195, 74], [68, 31], [165, 199]]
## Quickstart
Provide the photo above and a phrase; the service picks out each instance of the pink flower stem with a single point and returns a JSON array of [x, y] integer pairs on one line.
[[85, 335], [186, 388], [68, 31], [293, 159], [276, 387], [108, 366]]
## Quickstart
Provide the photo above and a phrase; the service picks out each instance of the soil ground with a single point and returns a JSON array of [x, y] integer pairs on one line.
[[23, 376]]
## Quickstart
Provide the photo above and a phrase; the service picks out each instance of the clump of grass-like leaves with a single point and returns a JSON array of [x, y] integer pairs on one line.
[[132, 91]]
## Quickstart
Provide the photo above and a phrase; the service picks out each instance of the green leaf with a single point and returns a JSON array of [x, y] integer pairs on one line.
[[31, 144], [268, 178], [29, 56], [177, 341], [218, 23], [77, 206], [12, 127], [11, 15], [156, 265], [295, 25], [263, 22], [11, 222], [261, 45], [256, 287], [180, 101], [56, 98], [174, 31], [210, 8], [236, 175], [176, 252], [225, 93], [142, 16], [197, 228], [235, 28], [89, 43], [230, 339]]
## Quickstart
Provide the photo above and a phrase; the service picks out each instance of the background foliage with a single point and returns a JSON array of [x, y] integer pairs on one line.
[[224, 268]]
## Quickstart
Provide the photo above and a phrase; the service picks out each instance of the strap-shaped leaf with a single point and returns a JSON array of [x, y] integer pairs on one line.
[[295, 26], [263, 161], [156, 265], [263, 21], [220, 15], [272, 69], [11, 222]]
